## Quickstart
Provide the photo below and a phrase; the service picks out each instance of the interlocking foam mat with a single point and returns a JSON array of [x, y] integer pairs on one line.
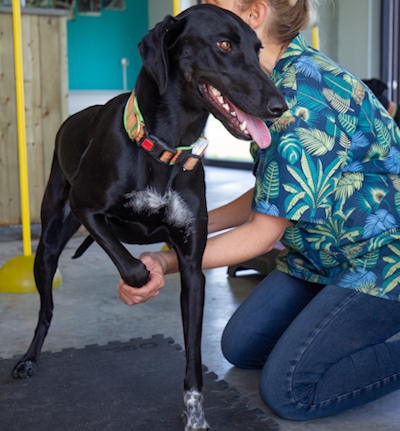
[[132, 386]]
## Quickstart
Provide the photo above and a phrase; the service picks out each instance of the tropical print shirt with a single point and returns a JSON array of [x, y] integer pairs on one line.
[[333, 170]]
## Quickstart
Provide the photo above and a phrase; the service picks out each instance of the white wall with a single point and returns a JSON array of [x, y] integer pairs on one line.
[[187, 3], [359, 36], [158, 9], [350, 34]]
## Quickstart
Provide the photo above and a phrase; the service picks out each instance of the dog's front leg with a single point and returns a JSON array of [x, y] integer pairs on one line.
[[132, 270], [192, 302]]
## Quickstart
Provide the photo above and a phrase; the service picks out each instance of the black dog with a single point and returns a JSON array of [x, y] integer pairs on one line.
[[151, 189]]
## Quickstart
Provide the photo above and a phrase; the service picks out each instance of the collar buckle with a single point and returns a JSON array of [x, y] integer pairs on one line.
[[155, 147]]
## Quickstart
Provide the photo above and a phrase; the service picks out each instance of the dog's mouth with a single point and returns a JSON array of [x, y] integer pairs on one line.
[[240, 124]]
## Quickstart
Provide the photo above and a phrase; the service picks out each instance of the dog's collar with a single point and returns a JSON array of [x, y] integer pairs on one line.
[[187, 157]]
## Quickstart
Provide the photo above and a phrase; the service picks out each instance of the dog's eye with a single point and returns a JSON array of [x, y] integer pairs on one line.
[[225, 45], [259, 51]]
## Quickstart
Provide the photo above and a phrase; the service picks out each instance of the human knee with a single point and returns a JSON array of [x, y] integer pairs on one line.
[[245, 348], [282, 396], [232, 348], [273, 390]]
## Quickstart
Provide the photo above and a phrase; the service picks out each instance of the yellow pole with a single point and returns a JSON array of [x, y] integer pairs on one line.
[[315, 37], [23, 166], [177, 7]]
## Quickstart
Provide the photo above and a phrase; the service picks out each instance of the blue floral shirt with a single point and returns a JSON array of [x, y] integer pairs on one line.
[[333, 170]]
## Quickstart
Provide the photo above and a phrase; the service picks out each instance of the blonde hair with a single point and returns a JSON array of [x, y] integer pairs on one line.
[[289, 17]]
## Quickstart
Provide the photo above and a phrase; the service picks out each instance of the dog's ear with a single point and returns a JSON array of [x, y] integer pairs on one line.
[[153, 50]]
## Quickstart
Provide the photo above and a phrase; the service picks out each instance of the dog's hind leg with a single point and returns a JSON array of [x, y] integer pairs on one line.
[[58, 225]]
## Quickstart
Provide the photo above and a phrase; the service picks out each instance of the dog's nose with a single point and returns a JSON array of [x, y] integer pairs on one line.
[[277, 107]]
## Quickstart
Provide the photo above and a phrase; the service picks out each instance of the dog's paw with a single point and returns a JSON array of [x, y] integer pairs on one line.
[[24, 369], [194, 427], [143, 276], [138, 276], [194, 412]]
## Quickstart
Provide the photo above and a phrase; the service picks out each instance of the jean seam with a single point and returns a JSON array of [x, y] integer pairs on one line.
[[337, 309], [392, 377]]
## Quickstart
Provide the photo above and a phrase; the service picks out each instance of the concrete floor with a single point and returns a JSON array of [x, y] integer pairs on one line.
[[88, 311]]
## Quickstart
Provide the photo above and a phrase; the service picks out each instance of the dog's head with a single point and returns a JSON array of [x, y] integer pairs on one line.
[[215, 55]]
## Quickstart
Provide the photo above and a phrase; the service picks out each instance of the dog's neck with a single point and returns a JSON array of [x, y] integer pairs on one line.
[[173, 116], [186, 156]]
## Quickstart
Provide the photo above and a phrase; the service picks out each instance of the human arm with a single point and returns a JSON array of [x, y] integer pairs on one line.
[[230, 215], [256, 236]]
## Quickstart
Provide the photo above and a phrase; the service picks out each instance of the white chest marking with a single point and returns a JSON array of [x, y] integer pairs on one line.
[[149, 201]]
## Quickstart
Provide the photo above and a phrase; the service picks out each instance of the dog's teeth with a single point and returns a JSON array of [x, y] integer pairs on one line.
[[247, 132], [220, 100], [215, 91], [243, 126], [233, 113], [226, 107]]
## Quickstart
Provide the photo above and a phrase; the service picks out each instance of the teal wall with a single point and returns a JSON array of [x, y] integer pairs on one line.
[[96, 45]]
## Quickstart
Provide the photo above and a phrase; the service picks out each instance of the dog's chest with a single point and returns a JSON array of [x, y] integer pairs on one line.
[[169, 207]]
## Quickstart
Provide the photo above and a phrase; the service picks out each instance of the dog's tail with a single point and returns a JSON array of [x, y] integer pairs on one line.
[[83, 247]]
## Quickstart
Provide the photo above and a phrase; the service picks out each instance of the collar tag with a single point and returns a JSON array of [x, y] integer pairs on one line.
[[200, 146]]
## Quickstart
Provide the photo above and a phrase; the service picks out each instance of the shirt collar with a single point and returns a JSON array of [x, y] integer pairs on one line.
[[295, 48]]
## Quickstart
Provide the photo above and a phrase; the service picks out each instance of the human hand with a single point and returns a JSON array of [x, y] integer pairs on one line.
[[134, 295]]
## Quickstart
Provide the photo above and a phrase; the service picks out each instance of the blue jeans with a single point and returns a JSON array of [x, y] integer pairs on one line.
[[322, 349]]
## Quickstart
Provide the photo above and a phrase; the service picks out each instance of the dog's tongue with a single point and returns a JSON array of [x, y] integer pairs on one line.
[[256, 127]]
